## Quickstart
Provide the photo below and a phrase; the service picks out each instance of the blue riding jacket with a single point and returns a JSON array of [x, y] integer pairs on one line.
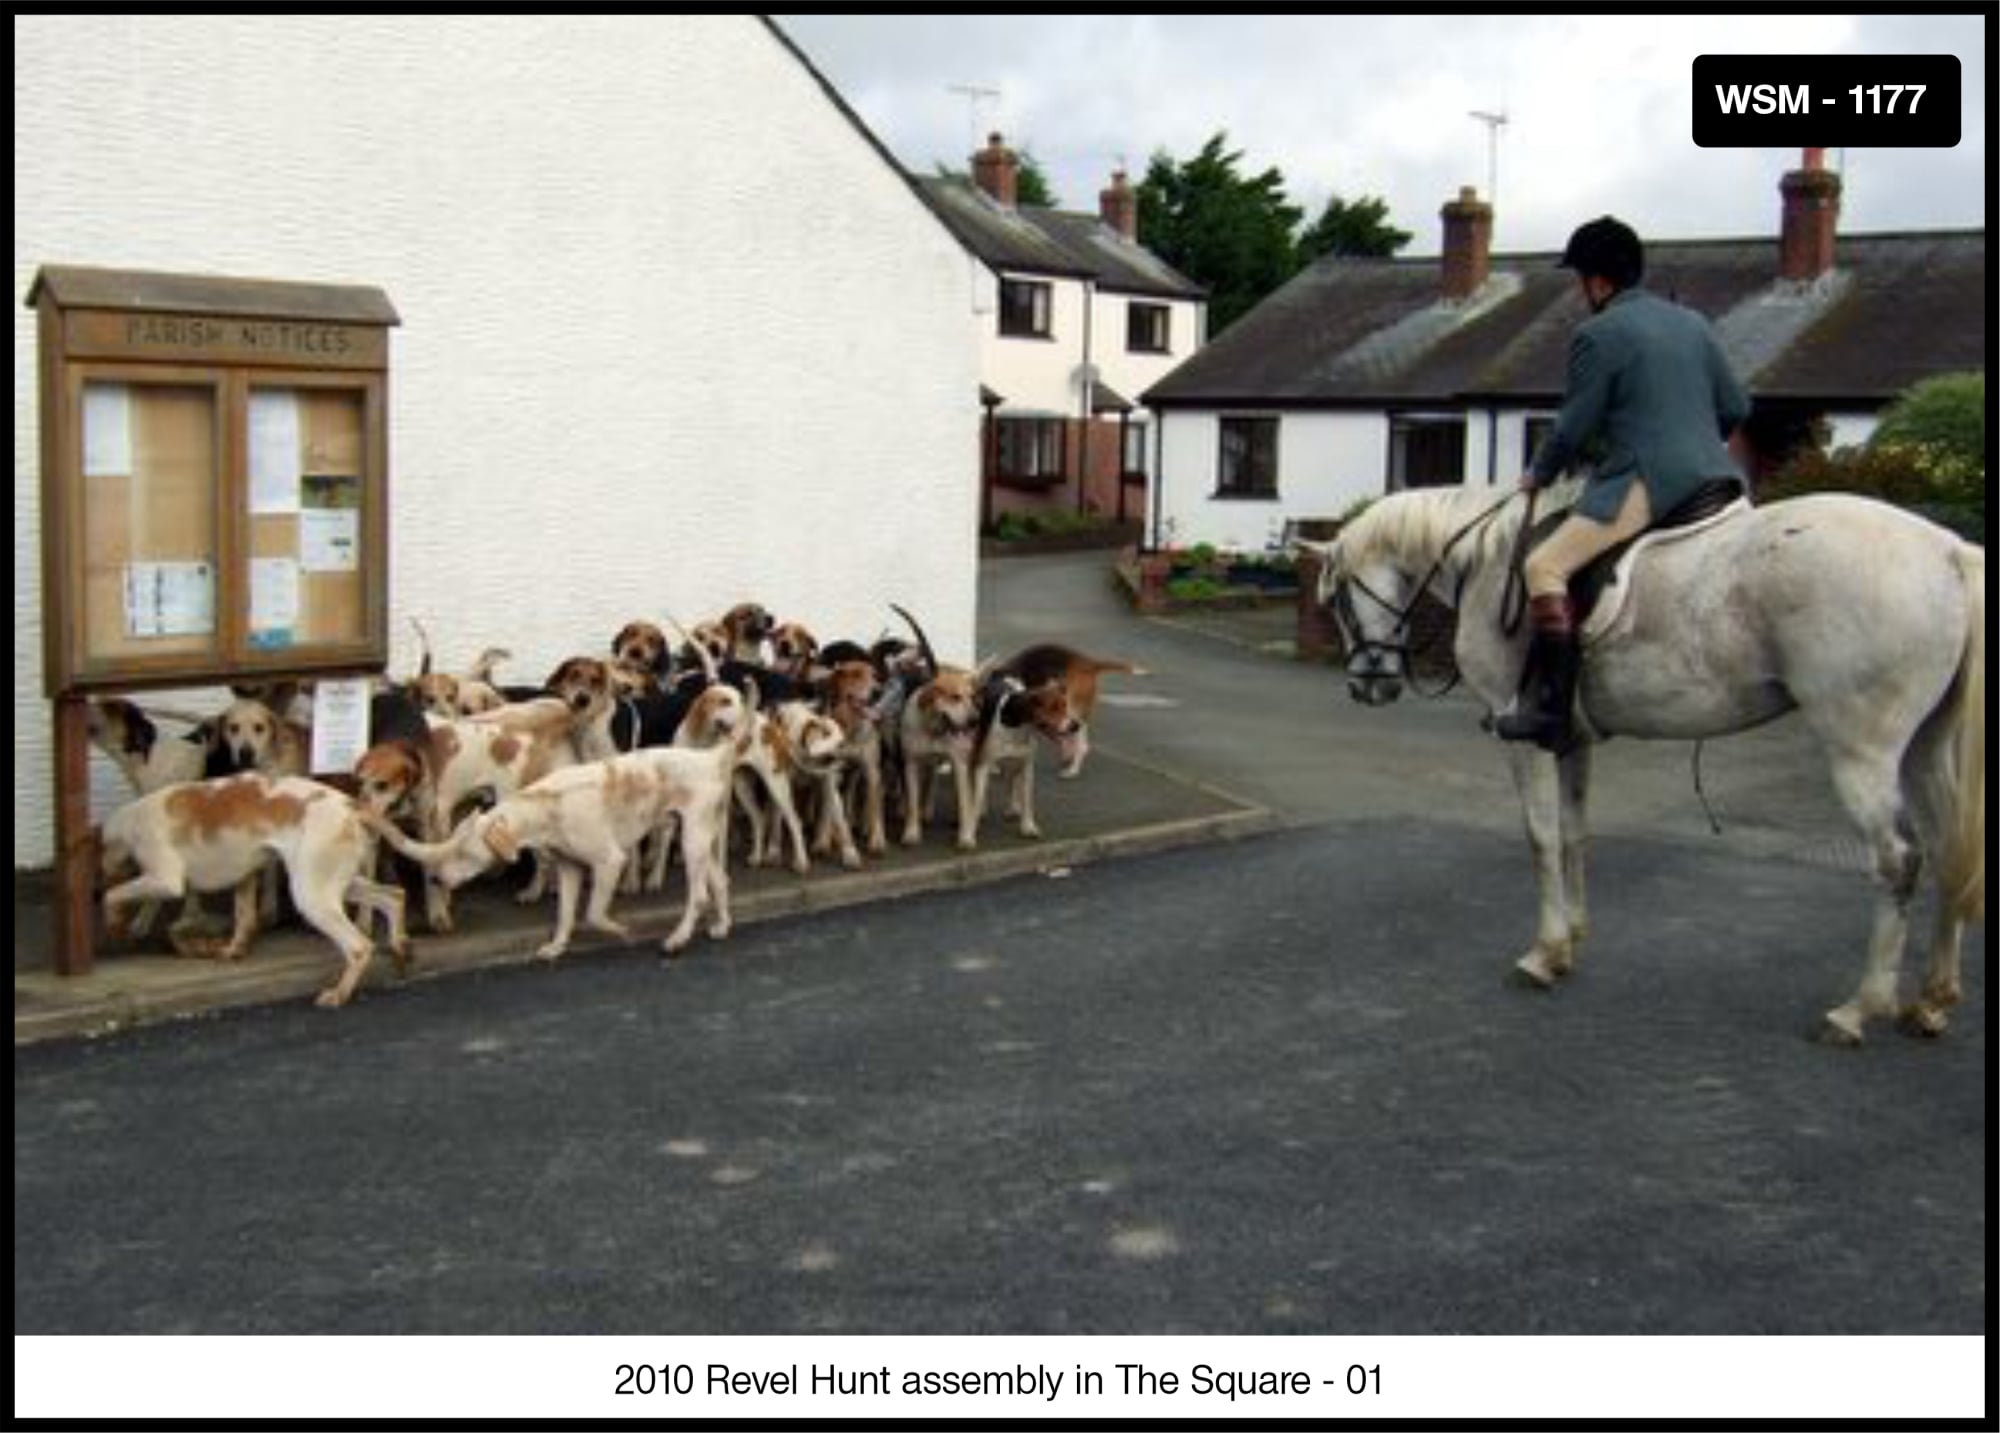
[[1649, 382]]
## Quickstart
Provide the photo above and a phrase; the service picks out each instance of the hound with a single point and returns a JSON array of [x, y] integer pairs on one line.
[[129, 738], [1048, 662], [253, 737], [848, 693], [212, 835], [762, 754], [748, 626], [1011, 716], [642, 662], [500, 752], [590, 817], [940, 723], [447, 696], [794, 650]]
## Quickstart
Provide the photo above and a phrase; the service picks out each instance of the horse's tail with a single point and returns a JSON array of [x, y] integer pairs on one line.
[[1962, 799]]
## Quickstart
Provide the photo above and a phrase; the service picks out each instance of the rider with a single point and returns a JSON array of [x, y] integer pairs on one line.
[[1648, 382]]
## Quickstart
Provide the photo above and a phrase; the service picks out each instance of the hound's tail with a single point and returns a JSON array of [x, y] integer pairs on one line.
[[482, 670], [1961, 796], [424, 853], [1130, 669]]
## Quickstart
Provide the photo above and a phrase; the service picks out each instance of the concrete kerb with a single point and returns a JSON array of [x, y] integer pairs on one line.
[[129, 991]]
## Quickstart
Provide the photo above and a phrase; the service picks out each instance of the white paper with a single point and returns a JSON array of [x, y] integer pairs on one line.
[[275, 463], [274, 594], [329, 540], [169, 599], [340, 723], [107, 430]]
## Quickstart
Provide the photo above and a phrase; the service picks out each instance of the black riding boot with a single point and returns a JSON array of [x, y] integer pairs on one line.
[[1548, 682]]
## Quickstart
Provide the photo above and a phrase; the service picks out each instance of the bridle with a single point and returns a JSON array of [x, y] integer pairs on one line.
[[1403, 651]]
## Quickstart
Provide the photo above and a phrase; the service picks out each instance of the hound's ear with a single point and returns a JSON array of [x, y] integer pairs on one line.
[[501, 840]]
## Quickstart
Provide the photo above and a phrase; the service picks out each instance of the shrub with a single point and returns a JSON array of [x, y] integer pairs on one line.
[[1928, 455], [1945, 416]]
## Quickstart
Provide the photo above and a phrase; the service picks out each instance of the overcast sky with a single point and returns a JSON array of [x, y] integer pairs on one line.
[[1598, 109]]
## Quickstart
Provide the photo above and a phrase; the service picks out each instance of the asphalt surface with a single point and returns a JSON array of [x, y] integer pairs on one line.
[[1278, 1085]]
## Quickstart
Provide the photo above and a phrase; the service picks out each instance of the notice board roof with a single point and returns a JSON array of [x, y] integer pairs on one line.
[[138, 290]]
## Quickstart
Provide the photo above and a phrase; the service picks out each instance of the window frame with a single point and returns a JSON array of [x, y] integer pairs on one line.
[[1266, 426], [1041, 309]]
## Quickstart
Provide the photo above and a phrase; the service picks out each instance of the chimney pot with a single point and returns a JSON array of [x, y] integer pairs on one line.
[[997, 170], [1118, 206], [1468, 238]]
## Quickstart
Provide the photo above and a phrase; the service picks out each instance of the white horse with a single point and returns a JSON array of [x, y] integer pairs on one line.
[[1867, 621]]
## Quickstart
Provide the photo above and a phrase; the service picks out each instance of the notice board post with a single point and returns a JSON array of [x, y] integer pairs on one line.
[[215, 470]]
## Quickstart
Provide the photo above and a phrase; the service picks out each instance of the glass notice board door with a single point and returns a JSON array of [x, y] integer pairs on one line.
[[151, 458], [307, 504]]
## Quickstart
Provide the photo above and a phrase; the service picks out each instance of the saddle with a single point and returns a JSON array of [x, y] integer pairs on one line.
[[1598, 590]]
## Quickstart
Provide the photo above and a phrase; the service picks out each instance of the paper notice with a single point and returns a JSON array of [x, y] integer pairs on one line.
[[275, 463], [169, 599], [340, 723], [329, 540], [107, 430], [274, 596]]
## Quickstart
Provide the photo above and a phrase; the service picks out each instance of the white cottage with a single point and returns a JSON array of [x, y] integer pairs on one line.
[[1074, 316], [629, 382], [1366, 376]]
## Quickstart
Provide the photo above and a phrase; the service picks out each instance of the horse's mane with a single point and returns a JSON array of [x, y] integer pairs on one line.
[[1412, 528]]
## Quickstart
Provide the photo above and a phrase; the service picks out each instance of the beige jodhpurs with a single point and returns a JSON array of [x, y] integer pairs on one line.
[[1578, 539]]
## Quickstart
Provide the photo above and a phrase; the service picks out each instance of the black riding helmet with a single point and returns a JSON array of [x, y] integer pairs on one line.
[[1608, 249]]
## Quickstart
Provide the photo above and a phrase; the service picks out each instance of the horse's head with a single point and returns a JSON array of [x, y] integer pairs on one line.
[[1369, 598]]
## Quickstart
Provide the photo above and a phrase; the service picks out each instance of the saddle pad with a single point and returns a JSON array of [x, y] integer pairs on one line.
[[1616, 590]]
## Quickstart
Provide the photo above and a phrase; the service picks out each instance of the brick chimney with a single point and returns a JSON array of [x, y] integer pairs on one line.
[[1118, 206], [1468, 235], [1812, 209], [997, 170]]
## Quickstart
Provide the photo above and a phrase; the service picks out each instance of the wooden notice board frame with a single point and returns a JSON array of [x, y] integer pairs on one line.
[[215, 501]]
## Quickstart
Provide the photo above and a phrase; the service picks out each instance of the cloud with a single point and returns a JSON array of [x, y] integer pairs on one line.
[[1599, 108]]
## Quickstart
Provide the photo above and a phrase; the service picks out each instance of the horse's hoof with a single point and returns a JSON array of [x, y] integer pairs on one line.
[[1533, 971], [1839, 1027], [1923, 1020]]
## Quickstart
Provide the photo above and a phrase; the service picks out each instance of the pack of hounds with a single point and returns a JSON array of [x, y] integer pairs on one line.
[[602, 771]]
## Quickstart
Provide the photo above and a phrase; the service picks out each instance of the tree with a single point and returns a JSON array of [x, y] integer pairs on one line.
[[1223, 230], [1359, 229], [1031, 187]]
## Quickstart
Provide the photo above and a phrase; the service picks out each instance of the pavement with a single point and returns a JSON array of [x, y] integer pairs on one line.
[[1116, 807]]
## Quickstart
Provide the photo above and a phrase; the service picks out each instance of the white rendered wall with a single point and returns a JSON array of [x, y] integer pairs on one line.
[[1034, 375], [1327, 461], [674, 334]]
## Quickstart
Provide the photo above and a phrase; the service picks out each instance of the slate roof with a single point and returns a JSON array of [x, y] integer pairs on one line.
[[1052, 242], [1374, 332]]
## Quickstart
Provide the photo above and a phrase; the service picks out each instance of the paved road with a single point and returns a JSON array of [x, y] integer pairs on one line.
[[1286, 735], [1274, 1086]]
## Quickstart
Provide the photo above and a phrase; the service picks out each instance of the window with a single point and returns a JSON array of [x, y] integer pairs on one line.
[[1030, 451], [1133, 462], [1426, 450], [1024, 309], [1249, 466], [1147, 328]]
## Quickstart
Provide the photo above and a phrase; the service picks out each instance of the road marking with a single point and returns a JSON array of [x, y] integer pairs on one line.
[[1136, 699]]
